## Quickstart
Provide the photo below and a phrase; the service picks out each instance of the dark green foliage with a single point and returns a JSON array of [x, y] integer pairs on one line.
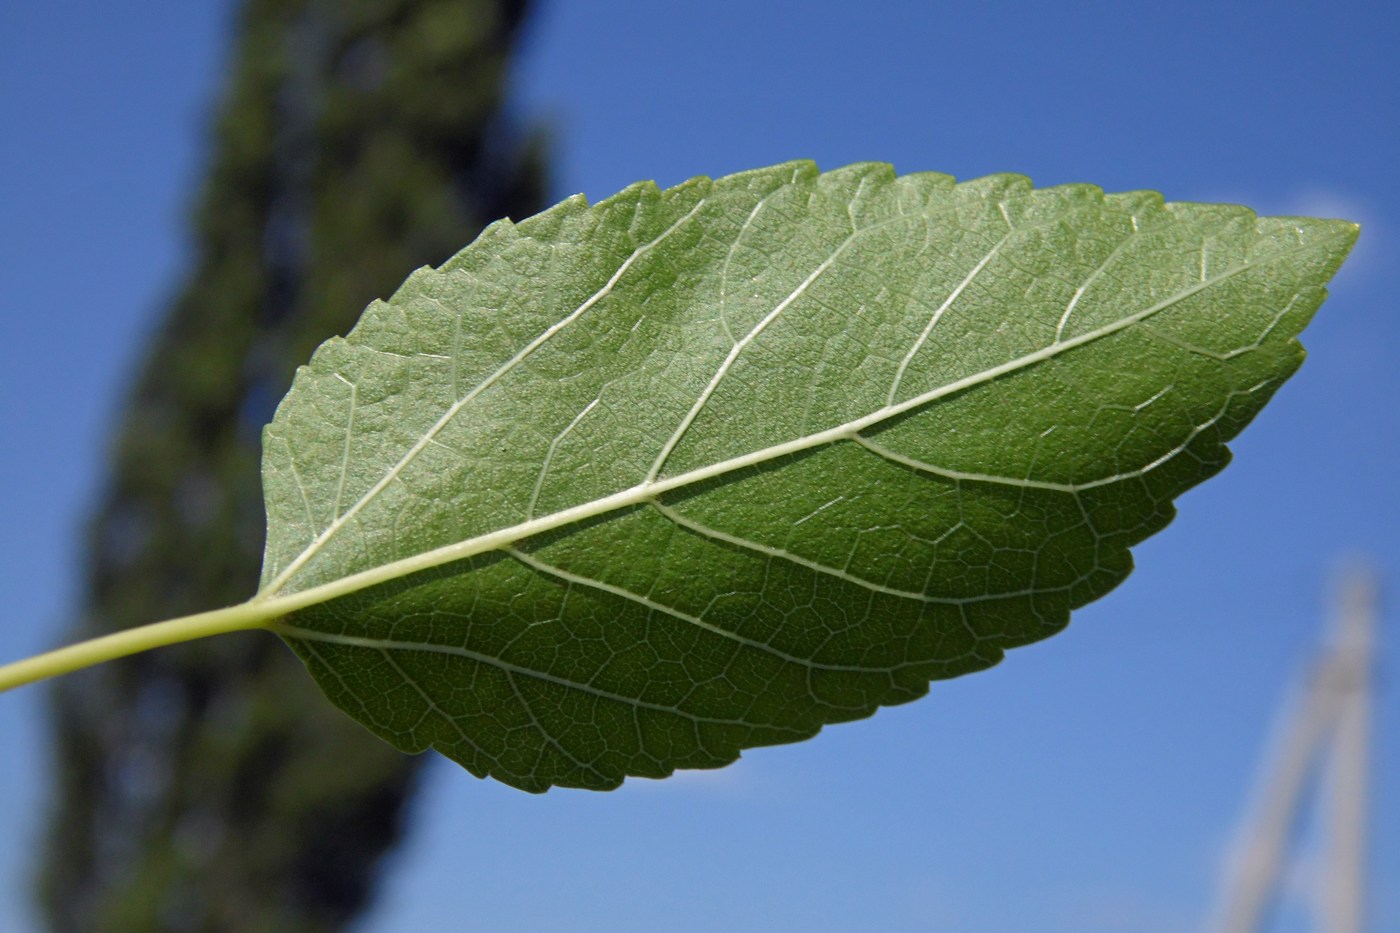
[[633, 487], [210, 787]]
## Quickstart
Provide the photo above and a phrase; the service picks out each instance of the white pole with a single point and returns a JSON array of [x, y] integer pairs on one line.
[[1258, 860], [1332, 720], [1343, 898]]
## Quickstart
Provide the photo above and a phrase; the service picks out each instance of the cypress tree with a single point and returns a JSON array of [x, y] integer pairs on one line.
[[209, 787]]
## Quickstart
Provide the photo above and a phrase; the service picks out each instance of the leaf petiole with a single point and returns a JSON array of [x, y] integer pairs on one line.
[[244, 616]]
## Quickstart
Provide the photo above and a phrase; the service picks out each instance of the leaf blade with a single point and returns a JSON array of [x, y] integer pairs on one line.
[[689, 471]]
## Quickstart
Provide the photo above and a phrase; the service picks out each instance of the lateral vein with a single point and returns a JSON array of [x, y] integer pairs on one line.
[[422, 443], [650, 489]]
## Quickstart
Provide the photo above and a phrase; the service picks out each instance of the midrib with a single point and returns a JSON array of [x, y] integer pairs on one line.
[[645, 491]]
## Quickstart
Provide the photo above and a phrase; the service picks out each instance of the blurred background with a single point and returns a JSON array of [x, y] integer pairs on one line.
[[194, 195]]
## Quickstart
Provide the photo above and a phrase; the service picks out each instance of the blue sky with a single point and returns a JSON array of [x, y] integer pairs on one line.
[[1090, 783]]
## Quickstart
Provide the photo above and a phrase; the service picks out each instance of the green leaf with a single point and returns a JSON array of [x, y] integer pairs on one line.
[[632, 487]]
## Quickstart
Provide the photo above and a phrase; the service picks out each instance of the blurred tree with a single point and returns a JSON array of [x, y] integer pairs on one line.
[[209, 787]]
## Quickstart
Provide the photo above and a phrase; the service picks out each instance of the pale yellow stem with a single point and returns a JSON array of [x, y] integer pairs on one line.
[[64, 660]]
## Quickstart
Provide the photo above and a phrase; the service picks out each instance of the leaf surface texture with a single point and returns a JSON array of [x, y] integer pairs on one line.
[[631, 487]]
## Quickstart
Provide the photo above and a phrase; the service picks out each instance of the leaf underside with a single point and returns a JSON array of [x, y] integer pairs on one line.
[[649, 482]]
